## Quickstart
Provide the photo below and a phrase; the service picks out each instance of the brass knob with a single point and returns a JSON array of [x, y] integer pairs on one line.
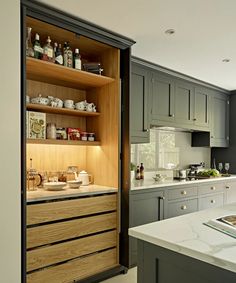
[[172, 115], [183, 207], [183, 193], [213, 188], [146, 130], [213, 201]]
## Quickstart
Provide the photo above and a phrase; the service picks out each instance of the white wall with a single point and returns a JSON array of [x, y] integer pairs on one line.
[[10, 236]]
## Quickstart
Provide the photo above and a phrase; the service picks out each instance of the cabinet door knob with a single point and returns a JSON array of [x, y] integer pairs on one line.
[[213, 201], [172, 115], [194, 119], [183, 207], [213, 188], [212, 137], [146, 130], [227, 187], [183, 193]]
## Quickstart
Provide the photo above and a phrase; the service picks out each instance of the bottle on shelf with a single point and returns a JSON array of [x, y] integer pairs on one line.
[[29, 45], [58, 54], [137, 175], [68, 55], [38, 50], [77, 59], [141, 171], [48, 51]]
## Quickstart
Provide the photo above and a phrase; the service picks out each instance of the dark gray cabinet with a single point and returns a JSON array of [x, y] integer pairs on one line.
[[219, 135], [139, 104], [184, 103], [145, 208], [162, 98], [201, 107]]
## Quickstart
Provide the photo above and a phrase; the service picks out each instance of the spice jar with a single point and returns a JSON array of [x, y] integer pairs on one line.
[[51, 131], [84, 136], [91, 137]]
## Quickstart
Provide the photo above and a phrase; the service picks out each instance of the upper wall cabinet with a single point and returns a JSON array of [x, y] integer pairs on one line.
[[162, 98], [201, 107], [139, 104]]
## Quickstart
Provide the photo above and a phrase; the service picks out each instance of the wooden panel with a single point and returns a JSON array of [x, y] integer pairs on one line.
[[48, 157], [62, 142], [39, 70], [62, 111], [76, 269], [46, 256], [45, 212], [106, 157], [52, 233]]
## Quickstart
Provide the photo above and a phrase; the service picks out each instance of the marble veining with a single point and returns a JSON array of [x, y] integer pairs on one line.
[[189, 236]]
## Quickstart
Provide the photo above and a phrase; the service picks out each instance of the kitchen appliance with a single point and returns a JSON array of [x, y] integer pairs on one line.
[[195, 168]]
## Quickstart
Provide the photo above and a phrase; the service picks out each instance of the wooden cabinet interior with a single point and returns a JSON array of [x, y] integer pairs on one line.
[[103, 91]]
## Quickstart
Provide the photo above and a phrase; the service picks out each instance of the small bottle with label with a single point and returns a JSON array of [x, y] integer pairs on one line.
[[38, 50], [48, 51], [68, 55], [58, 54], [137, 175], [141, 171], [77, 59]]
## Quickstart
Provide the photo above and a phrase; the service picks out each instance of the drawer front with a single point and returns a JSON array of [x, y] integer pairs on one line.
[[211, 201], [49, 255], [210, 188], [182, 207], [45, 212], [76, 269], [51, 233], [182, 193]]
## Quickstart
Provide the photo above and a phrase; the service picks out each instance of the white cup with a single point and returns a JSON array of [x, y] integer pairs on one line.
[[81, 105], [90, 107], [69, 103]]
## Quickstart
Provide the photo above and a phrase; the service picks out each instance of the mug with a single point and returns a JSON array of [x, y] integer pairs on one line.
[[90, 107], [69, 103], [82, 105]]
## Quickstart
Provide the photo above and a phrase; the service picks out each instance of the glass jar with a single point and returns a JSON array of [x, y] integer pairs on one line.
[[91, 137], [84, 136], [51, 131]]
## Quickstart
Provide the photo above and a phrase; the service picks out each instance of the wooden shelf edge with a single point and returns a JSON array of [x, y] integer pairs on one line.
[[40, 70], [63, 111], [63, 142]]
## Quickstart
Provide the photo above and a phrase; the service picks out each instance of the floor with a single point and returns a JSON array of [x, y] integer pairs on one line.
[[130, 277]]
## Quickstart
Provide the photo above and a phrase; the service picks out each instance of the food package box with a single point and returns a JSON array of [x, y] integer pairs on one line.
[[36, 125], [73, 133]]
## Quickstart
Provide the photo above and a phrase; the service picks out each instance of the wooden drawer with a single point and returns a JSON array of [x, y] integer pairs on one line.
[[45, 212], [182, 207], [211, 201], [49, 255], [210, 188], [51, 233], [75, 269], [183, 192]]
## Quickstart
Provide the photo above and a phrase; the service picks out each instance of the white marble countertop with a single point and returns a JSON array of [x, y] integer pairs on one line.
[[42, 194], [149, 183], [188, 235]]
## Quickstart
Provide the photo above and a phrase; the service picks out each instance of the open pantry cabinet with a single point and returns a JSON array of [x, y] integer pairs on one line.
[[47, 224]]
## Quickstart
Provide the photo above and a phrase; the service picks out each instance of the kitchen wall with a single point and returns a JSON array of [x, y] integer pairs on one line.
[[10, 212], [168, 150]]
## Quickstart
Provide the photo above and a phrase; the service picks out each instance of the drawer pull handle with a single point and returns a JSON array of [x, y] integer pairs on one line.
[[213, 201], [227, 187], [183, 207], [183, 193], [213, 188]]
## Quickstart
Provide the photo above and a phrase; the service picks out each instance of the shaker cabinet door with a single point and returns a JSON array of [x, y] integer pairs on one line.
[[139, 108], [201, 107], [162, 106]]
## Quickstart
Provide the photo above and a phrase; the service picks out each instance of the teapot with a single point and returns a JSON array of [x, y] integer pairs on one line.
[[85, 178]]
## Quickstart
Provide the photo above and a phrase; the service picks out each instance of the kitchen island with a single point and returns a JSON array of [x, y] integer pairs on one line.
[[183, 249]]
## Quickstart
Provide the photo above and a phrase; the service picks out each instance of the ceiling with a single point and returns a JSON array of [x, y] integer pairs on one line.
[[205, 32]]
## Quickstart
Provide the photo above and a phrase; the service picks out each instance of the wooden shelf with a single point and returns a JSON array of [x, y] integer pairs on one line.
[[63, 111], [43, 71], [63, 142]]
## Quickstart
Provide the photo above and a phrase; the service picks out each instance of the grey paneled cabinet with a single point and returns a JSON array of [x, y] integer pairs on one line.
[[219, 120], [139, 104], [144, 208], [162, 98], [201, 107]]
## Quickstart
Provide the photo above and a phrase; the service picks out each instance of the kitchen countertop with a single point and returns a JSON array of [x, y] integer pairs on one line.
[[42, 194], [148, 183], [188, 235]]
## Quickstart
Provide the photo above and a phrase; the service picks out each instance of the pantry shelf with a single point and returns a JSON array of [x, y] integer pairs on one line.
[[63, 111], [39, 70], [63, 142]]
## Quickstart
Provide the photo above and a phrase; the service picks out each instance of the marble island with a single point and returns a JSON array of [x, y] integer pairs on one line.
[[186, 241]]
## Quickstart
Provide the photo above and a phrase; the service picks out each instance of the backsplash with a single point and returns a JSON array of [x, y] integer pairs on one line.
[[168, 150]]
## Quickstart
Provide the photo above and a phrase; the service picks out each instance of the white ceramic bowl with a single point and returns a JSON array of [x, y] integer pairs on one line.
[[74, 184], [54, 186]]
